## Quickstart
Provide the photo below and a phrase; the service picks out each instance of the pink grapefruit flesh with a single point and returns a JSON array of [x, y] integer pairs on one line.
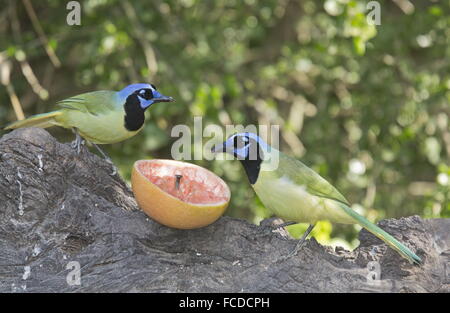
[[179, 194]]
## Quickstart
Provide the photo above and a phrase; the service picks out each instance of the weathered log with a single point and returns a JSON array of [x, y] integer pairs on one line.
[[57, 207]]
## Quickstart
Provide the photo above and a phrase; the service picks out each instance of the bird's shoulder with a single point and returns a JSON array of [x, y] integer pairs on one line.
[[95, 102], [297, 172]]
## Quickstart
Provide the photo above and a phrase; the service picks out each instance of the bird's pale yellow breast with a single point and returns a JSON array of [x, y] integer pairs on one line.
[[293, 202], [104, 128]]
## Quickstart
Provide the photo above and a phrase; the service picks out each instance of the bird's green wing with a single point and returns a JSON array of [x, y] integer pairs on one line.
[[302, 175], [95, 103]]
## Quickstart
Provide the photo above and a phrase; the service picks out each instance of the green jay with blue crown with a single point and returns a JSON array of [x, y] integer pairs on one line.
[[100, 117], [296, 193]]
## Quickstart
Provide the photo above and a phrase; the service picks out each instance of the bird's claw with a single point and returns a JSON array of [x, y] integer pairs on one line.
[[78, 142], [266, 231], [106, 158], [76, 145], [269, 229], [114, 168], [82, 143], [293, 252], [298, 246]]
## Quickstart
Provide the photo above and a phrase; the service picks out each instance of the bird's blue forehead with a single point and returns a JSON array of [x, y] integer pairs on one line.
[[128, 90], [245, 146], [250, 136]]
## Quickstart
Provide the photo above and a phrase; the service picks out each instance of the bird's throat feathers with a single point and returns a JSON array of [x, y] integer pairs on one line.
[[266, 160], [252, 169], [134, 114]]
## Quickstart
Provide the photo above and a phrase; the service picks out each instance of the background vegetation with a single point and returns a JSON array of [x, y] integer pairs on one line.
[[365, 106]]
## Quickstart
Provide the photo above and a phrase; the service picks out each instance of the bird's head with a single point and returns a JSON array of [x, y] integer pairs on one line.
[[249, 148], [244, 146], [144, 94], [136, 99]]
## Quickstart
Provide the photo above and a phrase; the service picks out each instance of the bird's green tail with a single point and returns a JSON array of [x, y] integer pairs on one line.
[[377, 231], [40, 120]]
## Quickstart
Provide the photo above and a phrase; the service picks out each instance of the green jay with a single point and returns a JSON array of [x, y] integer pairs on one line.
[[296, 193], [100, 117]]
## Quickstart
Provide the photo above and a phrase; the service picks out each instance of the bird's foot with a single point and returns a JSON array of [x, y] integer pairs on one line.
[[298, 246], [107, 159], [294, 251], [270, 227], [114, 168], [78, 142]]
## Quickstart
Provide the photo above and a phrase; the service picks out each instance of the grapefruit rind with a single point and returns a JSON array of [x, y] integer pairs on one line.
[[172, 208]]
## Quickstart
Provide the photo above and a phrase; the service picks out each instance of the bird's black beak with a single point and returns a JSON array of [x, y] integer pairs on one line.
[[163, 99], [221, 147]]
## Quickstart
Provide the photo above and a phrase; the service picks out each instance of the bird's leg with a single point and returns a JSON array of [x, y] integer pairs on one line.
[[284, 225], [78, 142], [299, 243], [107, 158]]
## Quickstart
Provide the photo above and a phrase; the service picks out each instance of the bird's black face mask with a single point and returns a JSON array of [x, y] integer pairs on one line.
[[137, 103], [246, 149]]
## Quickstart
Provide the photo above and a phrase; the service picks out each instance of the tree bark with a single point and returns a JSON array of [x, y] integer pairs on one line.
[[58, 207]]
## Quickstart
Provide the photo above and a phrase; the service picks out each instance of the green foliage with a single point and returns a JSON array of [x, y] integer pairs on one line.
[[366, 106]]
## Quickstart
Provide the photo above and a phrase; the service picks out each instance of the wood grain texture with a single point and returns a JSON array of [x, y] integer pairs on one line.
[[57, 206]]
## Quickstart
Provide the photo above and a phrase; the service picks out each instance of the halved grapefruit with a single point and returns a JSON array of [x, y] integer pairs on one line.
[[179, 194]]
